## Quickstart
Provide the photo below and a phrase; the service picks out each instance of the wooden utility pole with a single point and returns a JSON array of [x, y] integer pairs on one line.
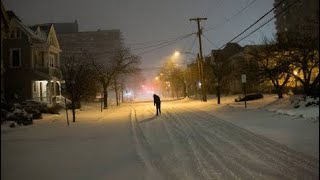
[[203, 85]]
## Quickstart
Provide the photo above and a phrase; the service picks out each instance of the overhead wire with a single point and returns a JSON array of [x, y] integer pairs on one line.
[[167, 44], [192, 44], [228, 19], [258, 20], [209, 40], [276, 15]]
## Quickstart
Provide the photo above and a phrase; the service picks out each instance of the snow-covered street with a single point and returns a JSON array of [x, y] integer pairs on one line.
[[189, 140]]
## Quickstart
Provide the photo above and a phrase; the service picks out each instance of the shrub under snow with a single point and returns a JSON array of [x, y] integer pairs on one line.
[[19, 115]]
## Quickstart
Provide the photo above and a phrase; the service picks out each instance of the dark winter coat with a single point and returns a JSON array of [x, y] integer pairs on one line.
[[156, 100]]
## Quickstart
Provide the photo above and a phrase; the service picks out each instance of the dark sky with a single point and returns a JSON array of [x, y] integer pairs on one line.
[[152, 20]]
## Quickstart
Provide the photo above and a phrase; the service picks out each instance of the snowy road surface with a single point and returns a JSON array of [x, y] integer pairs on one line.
[[129, 142]]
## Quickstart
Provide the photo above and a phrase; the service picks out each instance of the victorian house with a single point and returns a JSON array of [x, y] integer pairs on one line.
[[4, 34], [32, 61]]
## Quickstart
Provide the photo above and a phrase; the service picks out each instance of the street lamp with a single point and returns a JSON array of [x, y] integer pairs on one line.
[[201, 82], [176, 54]]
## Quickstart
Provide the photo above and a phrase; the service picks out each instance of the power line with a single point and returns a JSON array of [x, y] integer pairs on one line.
[[209, 41], [159, 44], [228, 19], [254, 23], [153, 42], [169, 43], [269, 20], [192, 44]]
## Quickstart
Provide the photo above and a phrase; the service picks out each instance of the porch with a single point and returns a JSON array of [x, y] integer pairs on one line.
[[46, 90]]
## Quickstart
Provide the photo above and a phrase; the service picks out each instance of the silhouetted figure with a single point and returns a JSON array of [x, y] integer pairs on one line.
[[157, 102]]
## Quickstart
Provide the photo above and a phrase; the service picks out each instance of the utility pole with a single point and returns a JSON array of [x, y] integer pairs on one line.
[[203, 85]]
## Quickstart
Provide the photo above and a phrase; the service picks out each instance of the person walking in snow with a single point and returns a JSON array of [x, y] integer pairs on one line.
[[157, 102]]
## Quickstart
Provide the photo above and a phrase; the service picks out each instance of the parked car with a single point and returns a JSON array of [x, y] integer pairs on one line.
[[249, 97]]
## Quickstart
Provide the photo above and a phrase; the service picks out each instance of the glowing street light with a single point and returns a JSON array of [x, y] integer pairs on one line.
[[176, 54], [157, 78]]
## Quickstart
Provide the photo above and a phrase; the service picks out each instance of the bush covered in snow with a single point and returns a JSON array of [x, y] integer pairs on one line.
[[305, 102], [4, 114], [36, 108], [19, 115]]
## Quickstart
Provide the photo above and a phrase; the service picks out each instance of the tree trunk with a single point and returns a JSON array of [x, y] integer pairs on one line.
[[184, 90], [116, 91], [306, 88], [218, 93], [105, 96], [73, 108], [279, 92], [121, 93]]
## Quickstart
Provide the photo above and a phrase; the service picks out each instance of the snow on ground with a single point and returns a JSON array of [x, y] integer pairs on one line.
[[293, 127], [189, 140]]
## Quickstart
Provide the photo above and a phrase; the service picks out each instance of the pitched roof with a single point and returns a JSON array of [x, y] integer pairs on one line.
[[13, 18], [12, 15], [44, 30]]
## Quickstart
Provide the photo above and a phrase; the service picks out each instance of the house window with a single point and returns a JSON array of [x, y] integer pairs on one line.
[[18, 33], [42, 59], [51, 60], [15, 57], [51, 41], [34, 87], [15, 33], [38, 59]]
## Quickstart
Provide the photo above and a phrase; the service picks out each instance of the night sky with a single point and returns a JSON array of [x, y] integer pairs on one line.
[[143, 21]]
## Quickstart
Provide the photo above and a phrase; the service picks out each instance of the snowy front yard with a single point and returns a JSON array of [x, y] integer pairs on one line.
[[189, 140]]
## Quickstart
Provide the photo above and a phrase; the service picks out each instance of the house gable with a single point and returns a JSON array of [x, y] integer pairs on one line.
[[14, 23], [52, 38]]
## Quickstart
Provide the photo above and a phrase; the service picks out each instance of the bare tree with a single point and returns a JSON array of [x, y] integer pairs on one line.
[[305, 54], [174, 75], [273, 63], [79, 77], [121, 62], [221, 73]]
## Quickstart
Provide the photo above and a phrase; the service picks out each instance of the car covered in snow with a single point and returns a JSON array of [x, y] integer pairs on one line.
[[249, 97]]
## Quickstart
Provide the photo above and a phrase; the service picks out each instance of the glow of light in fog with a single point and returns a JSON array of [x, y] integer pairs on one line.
[[176, 54]]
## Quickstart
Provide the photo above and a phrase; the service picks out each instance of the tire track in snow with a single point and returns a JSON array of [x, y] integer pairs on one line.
[[222, 153], [292, 163], [282, 151], [201, 165], [153, 161], [214, 159], [188, 148]]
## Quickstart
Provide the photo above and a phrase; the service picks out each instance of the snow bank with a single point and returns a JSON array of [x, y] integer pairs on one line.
[[297, 107]]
